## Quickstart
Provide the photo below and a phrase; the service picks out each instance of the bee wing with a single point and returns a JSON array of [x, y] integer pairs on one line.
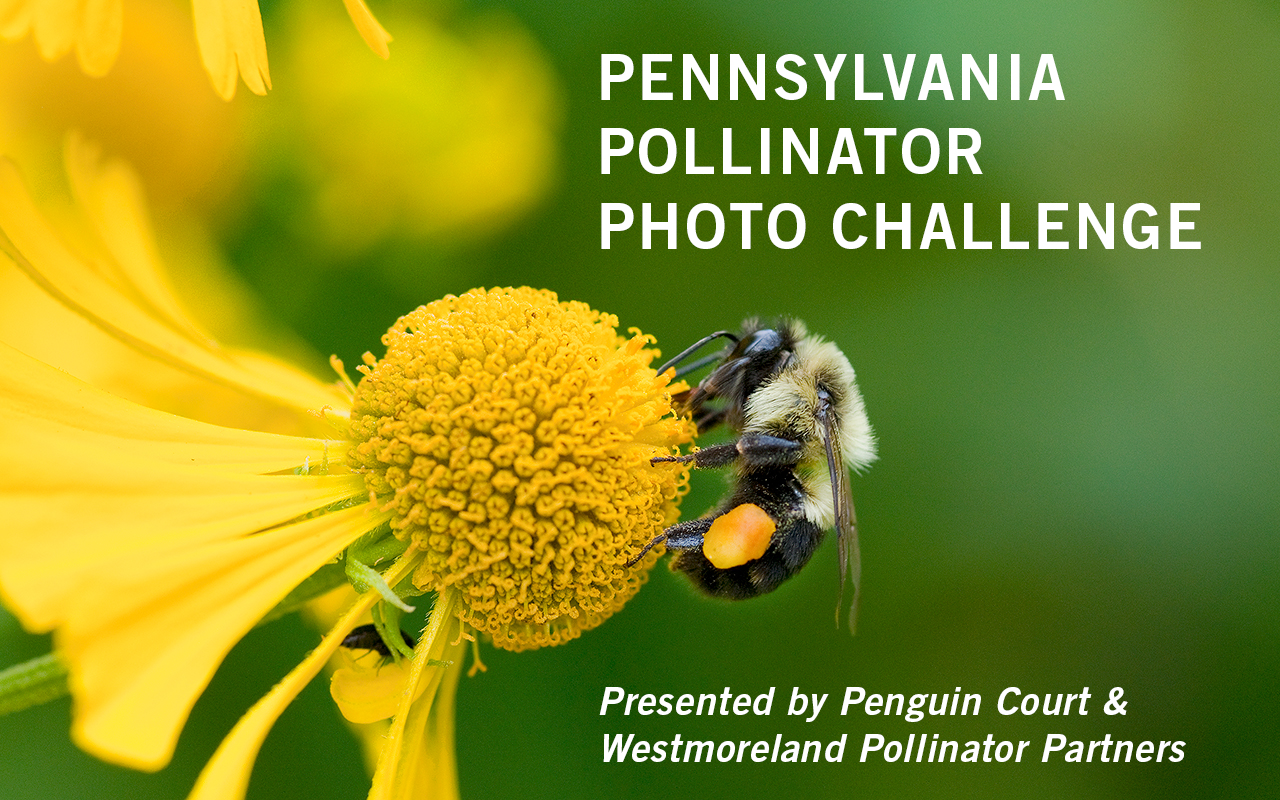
[[846, 519]]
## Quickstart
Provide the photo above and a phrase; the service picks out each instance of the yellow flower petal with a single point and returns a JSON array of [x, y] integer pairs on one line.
[[370, 29], [436, 774], [52, 543], [231, 41], [54, 24], [226, 776], [369, 693], [404, 769], [15, 18], [427, 763], [109, 193], [41, 399], [37, 249], [92, 27], [41, 580], [102, 480], [228, 32], [98, 35], [143, 640]]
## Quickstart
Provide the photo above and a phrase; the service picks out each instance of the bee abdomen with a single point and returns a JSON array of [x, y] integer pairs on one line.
[[792, 547]]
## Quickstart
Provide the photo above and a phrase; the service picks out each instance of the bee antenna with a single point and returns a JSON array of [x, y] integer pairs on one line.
[[695, 347], [699, 364]]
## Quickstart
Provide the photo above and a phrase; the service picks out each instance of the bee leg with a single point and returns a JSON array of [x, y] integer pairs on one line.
[[682, 536], [655, 540], [763, 450], [687, 535], [717, 455], [671, 459], [756, 449]]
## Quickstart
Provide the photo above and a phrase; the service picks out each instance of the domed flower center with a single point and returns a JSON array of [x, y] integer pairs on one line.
[[512, 435]]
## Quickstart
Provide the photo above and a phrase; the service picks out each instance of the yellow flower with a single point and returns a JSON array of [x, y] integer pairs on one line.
[[498, 456], [452, 140], [514, 463], [369, 692], [154, 108], [228, 33]]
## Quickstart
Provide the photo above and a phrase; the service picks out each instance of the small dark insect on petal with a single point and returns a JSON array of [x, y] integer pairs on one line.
[[366, 637]]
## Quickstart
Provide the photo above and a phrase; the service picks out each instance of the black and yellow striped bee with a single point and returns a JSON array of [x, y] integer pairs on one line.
[[791, 401]]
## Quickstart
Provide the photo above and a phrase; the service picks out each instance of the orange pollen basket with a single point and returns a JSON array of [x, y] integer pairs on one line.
[[739, 536]]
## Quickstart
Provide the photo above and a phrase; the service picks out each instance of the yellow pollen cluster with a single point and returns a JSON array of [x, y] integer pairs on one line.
[[511, 434]]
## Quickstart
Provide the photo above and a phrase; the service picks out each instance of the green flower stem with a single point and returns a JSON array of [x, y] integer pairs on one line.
[[387, 620], [37, 681]]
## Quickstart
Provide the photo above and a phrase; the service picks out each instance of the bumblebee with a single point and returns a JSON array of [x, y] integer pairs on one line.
[[791, 401]]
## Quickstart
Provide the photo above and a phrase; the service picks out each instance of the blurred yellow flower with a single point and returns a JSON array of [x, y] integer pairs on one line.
[[228, 32], [154, 109], [498, 457], [452, 140], [92, 28], [40, 326]]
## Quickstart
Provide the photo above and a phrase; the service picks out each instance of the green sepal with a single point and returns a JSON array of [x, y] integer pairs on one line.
[[364, 577], [386, 618], [406, 589], [376, 546], [33, 682], [365, 554]]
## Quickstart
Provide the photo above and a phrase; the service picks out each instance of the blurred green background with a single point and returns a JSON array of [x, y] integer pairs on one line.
[[1078, 473]]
